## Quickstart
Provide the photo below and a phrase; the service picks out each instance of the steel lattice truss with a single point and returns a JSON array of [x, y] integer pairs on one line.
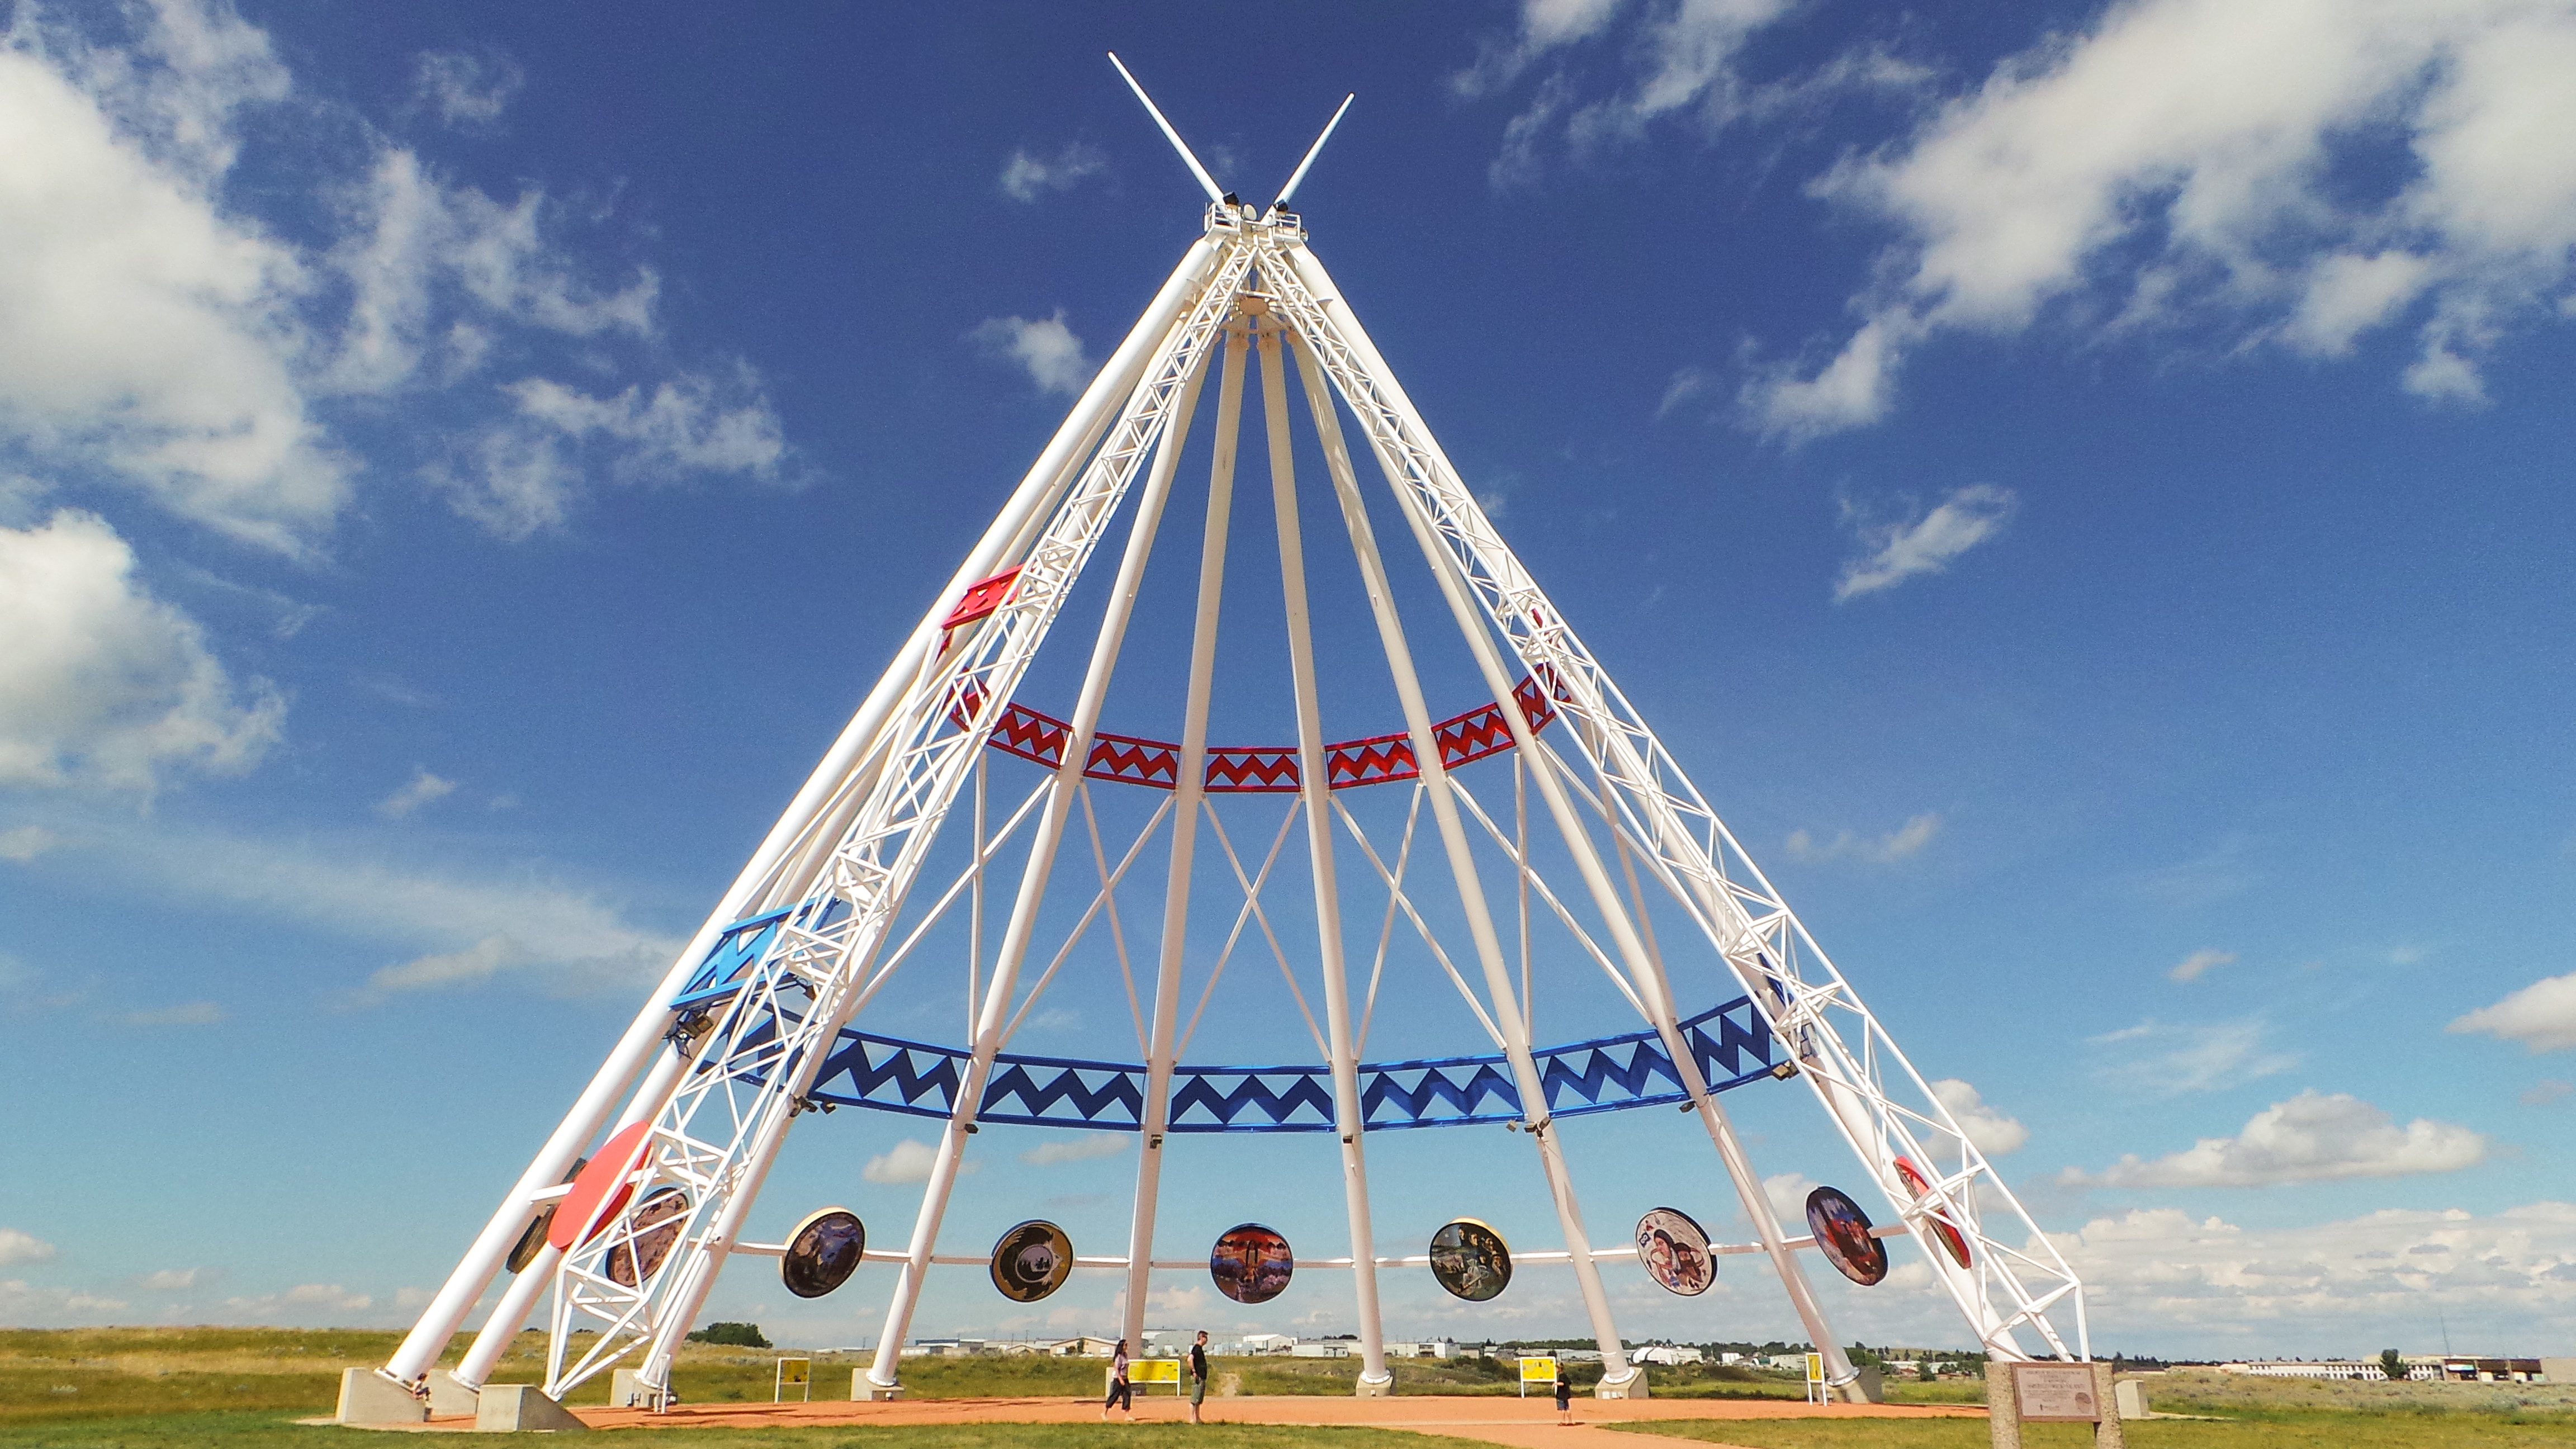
[[754, 1027]]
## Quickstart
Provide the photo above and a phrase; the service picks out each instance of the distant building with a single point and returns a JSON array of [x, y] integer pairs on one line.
[[1666, 1353], [1268, 1342]]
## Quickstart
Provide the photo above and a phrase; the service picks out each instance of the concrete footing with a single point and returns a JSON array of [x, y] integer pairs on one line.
[[1370, 1388], [1869, 1388], [864, 1391], [520, 1409], [447, 1397], [367, 1397], [628, 1390], [1631, 1387]]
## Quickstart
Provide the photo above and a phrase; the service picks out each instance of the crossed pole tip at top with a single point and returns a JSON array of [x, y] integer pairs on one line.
[[1206, 182]]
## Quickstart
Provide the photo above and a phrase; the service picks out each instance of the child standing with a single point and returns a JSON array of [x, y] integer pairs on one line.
[[1564, 1397]]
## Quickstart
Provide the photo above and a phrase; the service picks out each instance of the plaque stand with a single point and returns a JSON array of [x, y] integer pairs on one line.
[[2051, 1393]]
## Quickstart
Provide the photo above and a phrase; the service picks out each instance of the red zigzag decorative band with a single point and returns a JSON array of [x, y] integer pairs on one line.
[[1272, 769]]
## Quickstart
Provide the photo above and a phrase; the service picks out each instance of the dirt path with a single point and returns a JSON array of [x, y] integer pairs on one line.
[[1522, 1424]]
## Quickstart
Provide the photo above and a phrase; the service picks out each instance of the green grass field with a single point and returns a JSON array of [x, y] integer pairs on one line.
[[239, 1388]]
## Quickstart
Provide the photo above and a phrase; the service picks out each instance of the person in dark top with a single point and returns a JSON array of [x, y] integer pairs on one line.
[[1198, 1374], [1564, 1397], [1119, 1393]]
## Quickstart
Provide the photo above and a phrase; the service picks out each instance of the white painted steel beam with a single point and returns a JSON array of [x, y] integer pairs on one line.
[[1189, 789], [1508, 1012], [1315, 790]]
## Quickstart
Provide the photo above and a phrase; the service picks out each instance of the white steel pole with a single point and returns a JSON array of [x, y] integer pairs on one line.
[[1315, 785], [1189, 789], [1645, 966], [1082, 427], [1033, 882], [1617, 1376]]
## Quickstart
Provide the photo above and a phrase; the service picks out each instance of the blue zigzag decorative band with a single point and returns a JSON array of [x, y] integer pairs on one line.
[[1606, 1075]]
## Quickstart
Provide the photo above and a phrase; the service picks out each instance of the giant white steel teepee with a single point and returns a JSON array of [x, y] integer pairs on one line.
[[755, 1023]]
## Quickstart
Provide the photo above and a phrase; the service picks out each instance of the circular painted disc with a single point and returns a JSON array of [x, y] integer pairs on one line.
[[649, 1236], [823, 1252], [1251, 1263], [1842, 1234], [1941, 1228], [1470, 1260], [589, 1202], [1031, 1261], [1674, 1249]]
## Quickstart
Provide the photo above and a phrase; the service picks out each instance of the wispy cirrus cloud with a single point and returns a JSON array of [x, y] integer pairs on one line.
[[1894, 845], [2173, 1061], [1913, 544]]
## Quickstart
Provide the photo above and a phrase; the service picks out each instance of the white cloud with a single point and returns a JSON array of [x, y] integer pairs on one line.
[[167, 341], [301, 1300], [2376, 1279], [152, 339], [26, 842], [2178, 165], [422, 789], [1902, 548], [907, 1161], [1076, 1149], [170, 1280], [1043, 345], [1895, 845], [2546, 1091], [469, 92], [1545, 25], [520, 477], [2541, 1016], [1027, 177], [2169, 1061], [17, 1247], [103, 684], [1787, 1194], [186, 1013], [1994, 1133], [2310, 1138], [565, 941], [2198, 963]]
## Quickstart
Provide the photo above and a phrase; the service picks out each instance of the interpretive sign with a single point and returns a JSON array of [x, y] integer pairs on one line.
[[2060, 1393], [1537, 1371], [1143, 1371]]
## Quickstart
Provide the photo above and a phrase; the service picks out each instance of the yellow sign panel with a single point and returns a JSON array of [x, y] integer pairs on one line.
[[792, 1371], [1815, 1368], [1538, 1370], [1153, 1371]]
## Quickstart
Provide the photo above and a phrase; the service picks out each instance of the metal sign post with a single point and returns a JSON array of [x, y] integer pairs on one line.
[[797, 1374]]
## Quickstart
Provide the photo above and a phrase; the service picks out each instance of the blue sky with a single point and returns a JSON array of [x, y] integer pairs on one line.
[[2085, 491]]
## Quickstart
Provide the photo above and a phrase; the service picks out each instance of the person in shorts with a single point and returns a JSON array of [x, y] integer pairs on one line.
[[1198, 1374], [1120, 1395], [1564, 1397]]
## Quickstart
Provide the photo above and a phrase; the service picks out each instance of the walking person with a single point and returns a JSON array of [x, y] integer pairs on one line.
[[1119, 1393], [1198, 1374], [1564, 1396]]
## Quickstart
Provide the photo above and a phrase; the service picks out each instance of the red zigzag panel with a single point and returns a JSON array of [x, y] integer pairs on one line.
[[1272, 769]]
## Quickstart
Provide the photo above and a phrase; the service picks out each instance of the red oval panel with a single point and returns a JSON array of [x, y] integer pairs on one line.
[[1941, 1228], [582, 1209]]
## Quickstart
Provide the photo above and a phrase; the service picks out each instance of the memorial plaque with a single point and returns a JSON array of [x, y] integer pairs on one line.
[[1251, 1263], [1674, 1249], [2056, 1393]]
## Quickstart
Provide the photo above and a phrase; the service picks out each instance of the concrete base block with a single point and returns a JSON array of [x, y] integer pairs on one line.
[[1370, 1388], [1869, 1388], [628, 1390], [2130, 1396], [1631, 1387], [862, 1391], [368, 1398], [522, 1409], [448, 1397]]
